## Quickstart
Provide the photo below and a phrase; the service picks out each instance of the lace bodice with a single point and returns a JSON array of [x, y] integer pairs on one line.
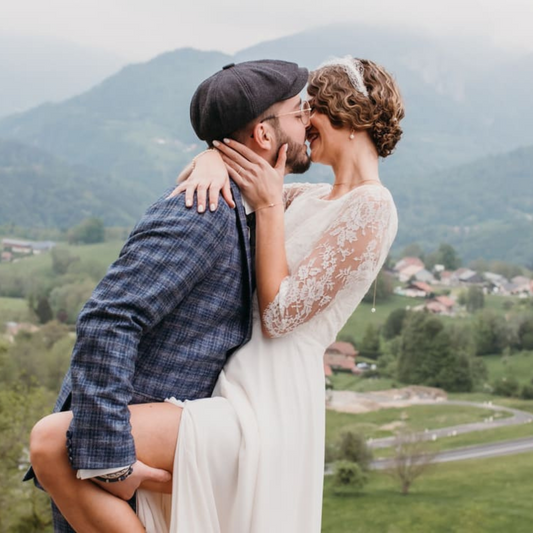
[[293, 190], [335, 249]]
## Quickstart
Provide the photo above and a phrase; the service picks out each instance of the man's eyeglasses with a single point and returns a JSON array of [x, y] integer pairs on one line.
[[304, 113]]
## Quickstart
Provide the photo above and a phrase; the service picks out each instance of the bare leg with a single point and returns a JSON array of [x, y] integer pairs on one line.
[[87, 507]]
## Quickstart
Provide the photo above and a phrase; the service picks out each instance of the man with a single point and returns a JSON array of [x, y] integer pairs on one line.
[[176, 303]]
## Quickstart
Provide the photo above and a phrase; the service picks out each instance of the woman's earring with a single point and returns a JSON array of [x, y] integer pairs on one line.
[[352, 136]]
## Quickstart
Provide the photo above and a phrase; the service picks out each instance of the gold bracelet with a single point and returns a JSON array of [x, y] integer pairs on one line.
[[267, 206], [193, 162]]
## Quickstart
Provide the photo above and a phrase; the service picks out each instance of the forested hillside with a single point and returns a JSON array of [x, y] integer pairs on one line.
[[40, 190], [457, 176]]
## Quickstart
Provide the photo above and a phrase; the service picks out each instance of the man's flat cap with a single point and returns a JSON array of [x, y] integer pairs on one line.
[[239, 93]]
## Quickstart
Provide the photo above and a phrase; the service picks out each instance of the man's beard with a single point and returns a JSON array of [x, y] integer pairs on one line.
[[298, 161]]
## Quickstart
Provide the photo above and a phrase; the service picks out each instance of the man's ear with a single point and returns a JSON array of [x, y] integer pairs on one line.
[[263, 136]]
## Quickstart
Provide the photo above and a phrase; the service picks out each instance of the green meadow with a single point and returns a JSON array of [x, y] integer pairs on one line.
[[384, 422], [14, 310], [478, 496]]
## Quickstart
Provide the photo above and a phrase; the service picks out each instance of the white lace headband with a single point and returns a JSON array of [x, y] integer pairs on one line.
[[353, 68]]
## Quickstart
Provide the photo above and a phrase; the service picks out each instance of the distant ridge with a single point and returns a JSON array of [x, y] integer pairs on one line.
[[465, 100], [41, 69], [484, 208]]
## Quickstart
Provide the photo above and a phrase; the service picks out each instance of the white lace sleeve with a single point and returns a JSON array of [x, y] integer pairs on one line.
[[349, 254], [292, 190]]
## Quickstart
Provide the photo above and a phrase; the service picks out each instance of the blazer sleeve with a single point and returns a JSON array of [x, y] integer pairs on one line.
[[170, 250]]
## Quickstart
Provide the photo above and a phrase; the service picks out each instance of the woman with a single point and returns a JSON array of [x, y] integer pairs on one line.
[[250, 459]]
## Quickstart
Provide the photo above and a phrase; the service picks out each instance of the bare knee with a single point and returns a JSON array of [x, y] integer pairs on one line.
[[47, 445]]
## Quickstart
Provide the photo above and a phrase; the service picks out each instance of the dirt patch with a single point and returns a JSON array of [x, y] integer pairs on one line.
[[359, 402], [393, 426]]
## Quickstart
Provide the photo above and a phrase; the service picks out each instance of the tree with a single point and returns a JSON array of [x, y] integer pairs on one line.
[[455, 374], [348, 477], [67, 300], [43, 310], [88, 231], [507, 270], [352, 447], [527, 391], [428, 356], [61, 260], [387, 365], [506, 387], [383, 288], [88, 268], [445, 255], [420, 352], [479, 265], [413, 250], [479, 370], [448, 257], [23, 507], [41, 357], [525, 334], [411, 459], [370, 345], [394, 324], [491, 333], [475, 299]]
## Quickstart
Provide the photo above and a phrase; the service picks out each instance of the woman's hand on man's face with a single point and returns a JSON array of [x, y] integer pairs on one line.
[[260, 183]]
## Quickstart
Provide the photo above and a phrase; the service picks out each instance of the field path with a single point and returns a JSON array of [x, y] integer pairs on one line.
[[357, 402], [481, 451], [518, 417]]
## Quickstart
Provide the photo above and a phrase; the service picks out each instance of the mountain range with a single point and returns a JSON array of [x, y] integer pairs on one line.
[[41, 69], [458, 173]]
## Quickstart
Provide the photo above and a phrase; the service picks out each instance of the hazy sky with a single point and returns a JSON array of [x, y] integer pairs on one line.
[[141, 29]]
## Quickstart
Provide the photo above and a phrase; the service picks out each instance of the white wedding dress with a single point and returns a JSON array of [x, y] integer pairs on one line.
[[251, 458]]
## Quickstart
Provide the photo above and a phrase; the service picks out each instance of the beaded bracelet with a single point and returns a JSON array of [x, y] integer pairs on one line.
[[121, 475]]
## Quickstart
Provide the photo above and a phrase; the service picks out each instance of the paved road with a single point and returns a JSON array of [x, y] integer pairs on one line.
[[518, 417], [493, 449]]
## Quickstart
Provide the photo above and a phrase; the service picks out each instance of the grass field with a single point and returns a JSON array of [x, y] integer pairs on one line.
[[418, 417], [480, 496], [347, 381], [518, 366], [14, 310], [104, 253], [499, 303], [357, 323], [470, 439]]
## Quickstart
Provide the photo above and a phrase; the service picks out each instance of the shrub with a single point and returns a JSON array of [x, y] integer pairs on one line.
[[352, 447], [506, 387], [394, 324], [527, 392], [348, 477]]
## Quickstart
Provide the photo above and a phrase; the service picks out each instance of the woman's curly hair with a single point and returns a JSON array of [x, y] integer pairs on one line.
[[333, 94]]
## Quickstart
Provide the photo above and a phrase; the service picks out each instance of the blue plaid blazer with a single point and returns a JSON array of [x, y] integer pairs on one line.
[[162, 322]]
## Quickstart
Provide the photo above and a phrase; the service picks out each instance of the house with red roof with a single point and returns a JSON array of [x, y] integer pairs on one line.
[[416, 289], [441, 305], [340, 357]]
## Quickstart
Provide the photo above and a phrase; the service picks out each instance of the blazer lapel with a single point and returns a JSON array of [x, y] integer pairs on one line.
[[245, 237]]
